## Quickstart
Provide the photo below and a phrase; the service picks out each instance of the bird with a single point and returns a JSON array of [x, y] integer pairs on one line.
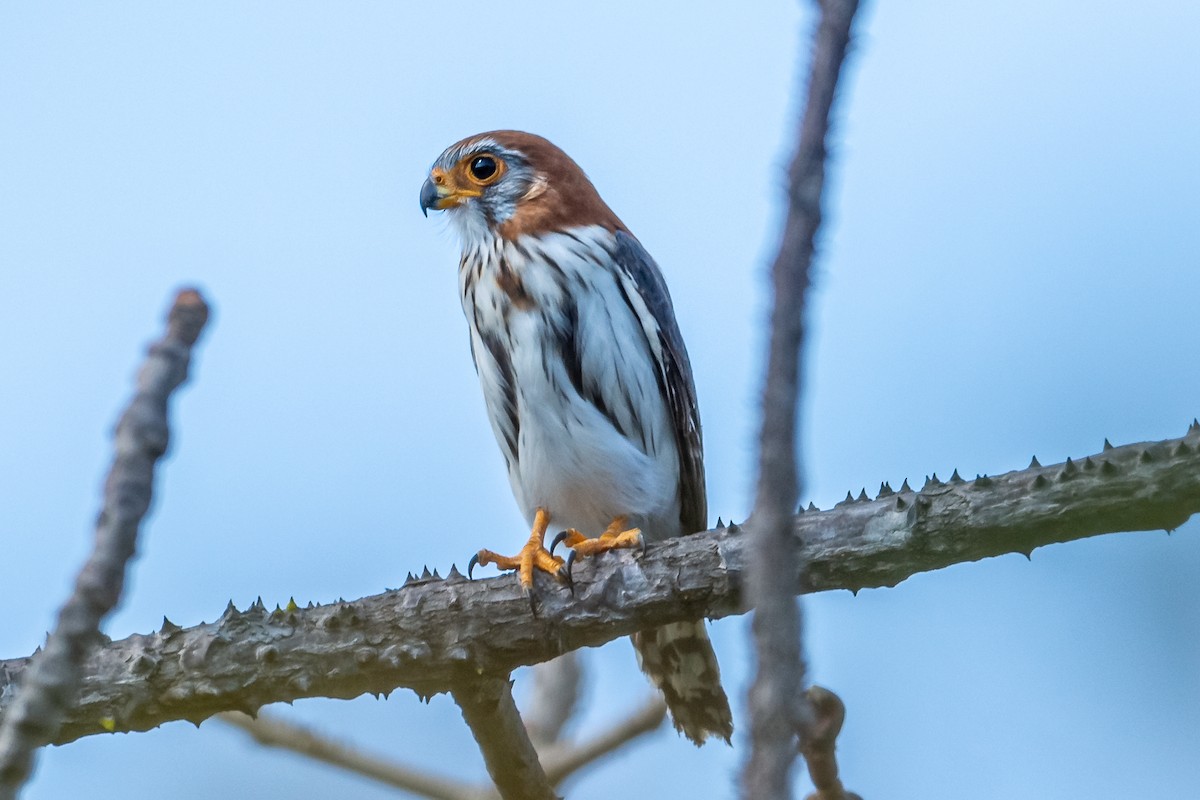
[[586, 381]]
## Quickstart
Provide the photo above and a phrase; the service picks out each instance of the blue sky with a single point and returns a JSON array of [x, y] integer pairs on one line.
[[1009, 268]]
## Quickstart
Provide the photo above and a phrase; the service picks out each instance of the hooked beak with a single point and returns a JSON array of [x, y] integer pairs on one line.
[[429, 197], [440, 191]]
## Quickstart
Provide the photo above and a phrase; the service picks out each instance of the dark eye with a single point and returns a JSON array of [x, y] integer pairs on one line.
[[483, 168]]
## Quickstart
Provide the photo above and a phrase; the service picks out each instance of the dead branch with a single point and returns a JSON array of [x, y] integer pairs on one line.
[[434, 633], [487, 707], [560, 760], [48, 686], [778, 711], [272, 732], [820, 743]]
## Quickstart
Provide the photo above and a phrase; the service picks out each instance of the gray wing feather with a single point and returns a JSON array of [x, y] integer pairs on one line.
[[675, 378]]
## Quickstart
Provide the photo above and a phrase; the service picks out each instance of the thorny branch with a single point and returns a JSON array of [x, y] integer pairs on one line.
[[48, 685], [433, 632], [776, 704]]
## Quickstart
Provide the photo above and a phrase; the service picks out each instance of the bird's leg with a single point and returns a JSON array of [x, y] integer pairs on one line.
[[615, 537], [533, 555]]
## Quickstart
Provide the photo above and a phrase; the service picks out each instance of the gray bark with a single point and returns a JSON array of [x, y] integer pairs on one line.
[[436, 633], [777, 705], [512, 762], [49, 683]]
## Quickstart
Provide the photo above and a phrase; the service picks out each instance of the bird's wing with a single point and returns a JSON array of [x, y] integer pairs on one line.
[[674, 373]]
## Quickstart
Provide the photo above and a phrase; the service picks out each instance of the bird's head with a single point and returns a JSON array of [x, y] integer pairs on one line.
[[510, 183]]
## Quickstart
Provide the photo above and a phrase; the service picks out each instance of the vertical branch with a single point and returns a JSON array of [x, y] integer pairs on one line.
[[777, 709], [488, 708], [49, 685]]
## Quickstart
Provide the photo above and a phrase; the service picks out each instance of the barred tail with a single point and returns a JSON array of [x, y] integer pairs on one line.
[[680, 661]]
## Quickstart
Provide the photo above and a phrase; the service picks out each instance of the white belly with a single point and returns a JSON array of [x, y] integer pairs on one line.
[[570, 459], [564, 454]]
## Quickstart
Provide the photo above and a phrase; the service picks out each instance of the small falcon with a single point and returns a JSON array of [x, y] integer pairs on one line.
[[585, 378]]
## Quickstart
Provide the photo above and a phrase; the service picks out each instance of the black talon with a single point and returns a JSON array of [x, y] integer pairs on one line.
[[471, 565], [567, 578], [558, 539], [531, 593], [567, 568]]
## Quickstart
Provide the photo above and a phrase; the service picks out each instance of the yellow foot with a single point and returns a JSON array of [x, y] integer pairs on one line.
[[615, 537], [533, 555]]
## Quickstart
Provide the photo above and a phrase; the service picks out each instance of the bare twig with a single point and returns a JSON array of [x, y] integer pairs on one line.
[[819, 744], [555, 697], [563, 760], [433, 632], [560, 761], [272, 732], [48, 686], [488, 708], [777, 711]]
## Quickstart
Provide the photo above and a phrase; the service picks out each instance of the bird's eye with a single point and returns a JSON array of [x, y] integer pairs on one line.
[[484, 169]]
